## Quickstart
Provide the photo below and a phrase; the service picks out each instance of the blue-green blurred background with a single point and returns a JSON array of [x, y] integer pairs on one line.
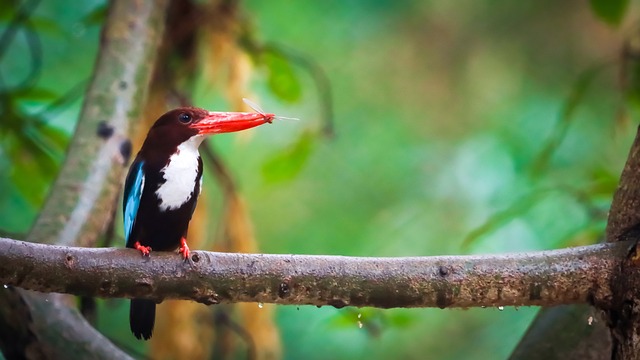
[[460, 127]]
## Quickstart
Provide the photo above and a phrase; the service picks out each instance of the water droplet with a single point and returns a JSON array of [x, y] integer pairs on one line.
[[590, 320], [359, 315], [360, 324], [260, 305], [500, 308]]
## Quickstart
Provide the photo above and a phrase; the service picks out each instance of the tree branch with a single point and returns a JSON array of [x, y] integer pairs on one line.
[[579, 334], [49, 334], [568, 276]]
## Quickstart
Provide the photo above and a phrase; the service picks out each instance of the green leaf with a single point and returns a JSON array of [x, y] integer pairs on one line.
[[517, 208], [51, 140], [282, 78], [604, 182], [46, 26], [96, 16], [610, 11], [17, 213], [32, 149], [343, 320], [7, 11], [35, 94], [286, 164], [571, 104], [400, 319], [31, 171]]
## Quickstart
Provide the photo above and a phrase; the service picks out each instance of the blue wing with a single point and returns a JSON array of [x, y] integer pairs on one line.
[[133, 187]]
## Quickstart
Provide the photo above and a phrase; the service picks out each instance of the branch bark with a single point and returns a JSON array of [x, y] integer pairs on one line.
[[547, 278], [624, 222]]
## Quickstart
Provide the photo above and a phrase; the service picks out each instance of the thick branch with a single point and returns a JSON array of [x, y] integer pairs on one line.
[[624, 222], [48, 334], [569, 276], [579, 334]]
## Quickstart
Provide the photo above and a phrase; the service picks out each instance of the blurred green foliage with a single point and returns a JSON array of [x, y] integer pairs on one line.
[[610, 11], [281, 78], [288, 162], [460, 127]]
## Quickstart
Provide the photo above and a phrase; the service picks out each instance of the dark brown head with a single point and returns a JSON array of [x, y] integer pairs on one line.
[[182, 124]]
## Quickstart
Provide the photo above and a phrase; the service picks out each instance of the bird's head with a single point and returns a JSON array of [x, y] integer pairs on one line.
[[193, 124]]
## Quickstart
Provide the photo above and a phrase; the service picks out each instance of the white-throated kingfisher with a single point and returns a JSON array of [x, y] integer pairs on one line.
[[163, 185]]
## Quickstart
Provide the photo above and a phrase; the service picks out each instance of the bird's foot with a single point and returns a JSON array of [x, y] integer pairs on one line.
[[145, 250], [184, 249]]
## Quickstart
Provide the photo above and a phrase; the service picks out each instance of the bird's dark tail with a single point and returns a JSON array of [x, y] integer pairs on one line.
[[142, 316]]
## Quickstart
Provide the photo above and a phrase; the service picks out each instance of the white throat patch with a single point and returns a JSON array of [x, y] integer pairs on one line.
[[180, 175]]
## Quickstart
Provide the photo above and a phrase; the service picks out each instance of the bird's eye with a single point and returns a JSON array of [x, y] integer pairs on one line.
[[184, 118]]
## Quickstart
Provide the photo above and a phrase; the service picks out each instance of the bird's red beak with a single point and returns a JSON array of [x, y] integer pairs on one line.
[[223, 122]]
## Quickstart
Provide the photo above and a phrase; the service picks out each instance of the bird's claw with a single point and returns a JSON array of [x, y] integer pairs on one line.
[[184, 248], [145, 250]]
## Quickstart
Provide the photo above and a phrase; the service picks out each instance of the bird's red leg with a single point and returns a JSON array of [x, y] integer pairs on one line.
[[145, 250], [184, 249]]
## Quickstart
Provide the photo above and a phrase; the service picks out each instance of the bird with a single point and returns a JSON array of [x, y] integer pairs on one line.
[[163, 184]]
